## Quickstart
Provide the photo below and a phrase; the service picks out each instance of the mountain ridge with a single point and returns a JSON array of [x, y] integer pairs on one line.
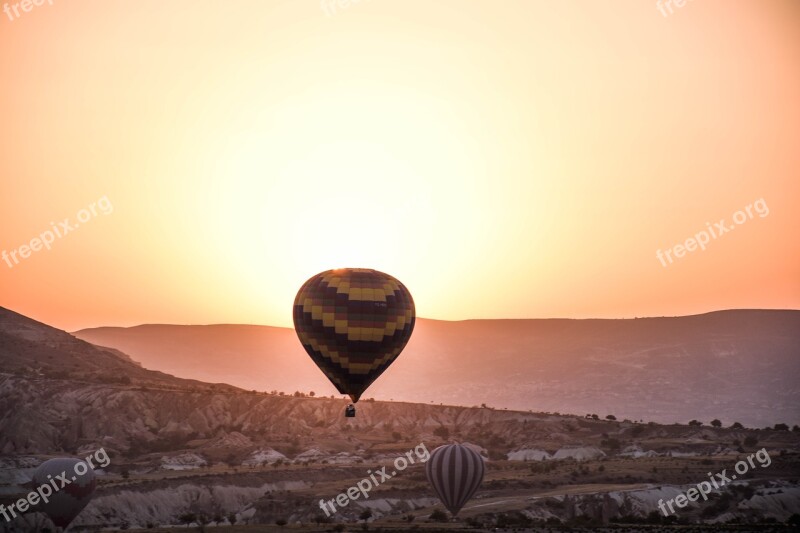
[[427, 319], [711, 362]]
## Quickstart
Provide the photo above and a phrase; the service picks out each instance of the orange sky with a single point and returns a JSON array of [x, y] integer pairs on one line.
[[502, 159]]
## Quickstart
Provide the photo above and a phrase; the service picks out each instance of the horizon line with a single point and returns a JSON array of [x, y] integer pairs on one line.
[[218, 324]]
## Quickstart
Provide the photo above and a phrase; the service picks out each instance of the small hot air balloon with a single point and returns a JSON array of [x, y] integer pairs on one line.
[[455, 472], [67, 502], [353, 322]]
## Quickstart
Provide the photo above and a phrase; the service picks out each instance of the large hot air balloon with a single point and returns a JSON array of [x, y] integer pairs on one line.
[[353, 322], [455, 473], [67, 502]]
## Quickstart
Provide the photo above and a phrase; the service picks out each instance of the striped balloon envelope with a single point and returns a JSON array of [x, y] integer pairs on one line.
[[353, 322], [67, 500], [455, 472]]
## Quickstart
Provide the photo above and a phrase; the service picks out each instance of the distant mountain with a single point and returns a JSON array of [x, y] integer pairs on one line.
[[251, 357], [738, 365]]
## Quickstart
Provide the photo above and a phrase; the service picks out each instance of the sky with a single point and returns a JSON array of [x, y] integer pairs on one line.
[[195, 162]]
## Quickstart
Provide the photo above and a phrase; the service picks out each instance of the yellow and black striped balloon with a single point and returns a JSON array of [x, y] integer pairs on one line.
[[353, 322]]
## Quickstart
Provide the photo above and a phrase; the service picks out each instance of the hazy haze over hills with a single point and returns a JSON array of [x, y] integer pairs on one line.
[[738, 365]]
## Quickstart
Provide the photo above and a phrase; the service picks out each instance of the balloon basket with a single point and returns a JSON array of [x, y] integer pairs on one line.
[[350, 411]]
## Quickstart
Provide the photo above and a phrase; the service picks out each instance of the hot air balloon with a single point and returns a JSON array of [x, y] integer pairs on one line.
[[68, 501], [353, 322], [455, 472]]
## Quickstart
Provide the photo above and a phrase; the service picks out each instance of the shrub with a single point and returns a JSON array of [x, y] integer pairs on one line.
[[438, 516]]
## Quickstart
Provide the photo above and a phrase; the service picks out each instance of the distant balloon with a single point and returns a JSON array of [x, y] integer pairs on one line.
[[455, 472], [67, 502], [353, 322]]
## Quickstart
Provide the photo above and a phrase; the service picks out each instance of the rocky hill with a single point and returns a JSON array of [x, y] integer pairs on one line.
[[180, 446], [34, 350]]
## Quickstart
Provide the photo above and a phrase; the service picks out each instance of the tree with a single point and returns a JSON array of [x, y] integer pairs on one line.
[[232, 518], [438, 516], [476, 524], [611, 417], [781, 427], [280, 522], [716, 423], [312, 393], [737, 425], [187, 518], [442, 432], [750, 441], [611, 444], [695, 423], [365, 515]]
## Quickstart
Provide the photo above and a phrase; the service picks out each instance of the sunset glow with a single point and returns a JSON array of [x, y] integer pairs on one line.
[[514, 159]]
